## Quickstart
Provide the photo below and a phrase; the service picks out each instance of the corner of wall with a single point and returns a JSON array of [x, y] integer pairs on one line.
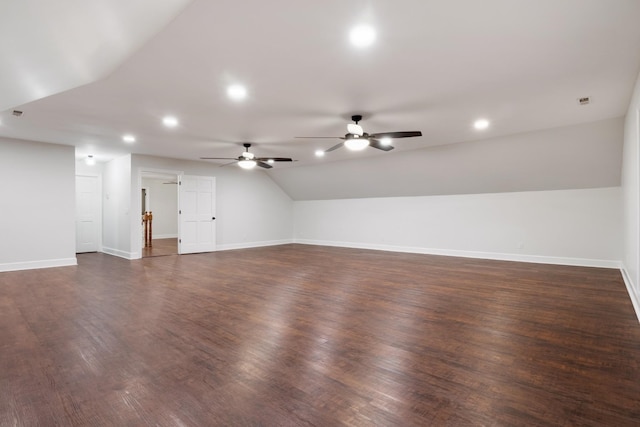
[[120, 253], [633, 295]]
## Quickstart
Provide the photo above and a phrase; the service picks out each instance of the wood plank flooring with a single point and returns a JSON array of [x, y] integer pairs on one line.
[[298, 335], [161, 247]]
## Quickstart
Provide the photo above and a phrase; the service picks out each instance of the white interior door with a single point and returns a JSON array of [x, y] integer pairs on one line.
[[87, 214], [196, 212]]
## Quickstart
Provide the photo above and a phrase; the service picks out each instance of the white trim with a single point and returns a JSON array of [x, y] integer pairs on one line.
[[121, 254], [249, 245], [45, 263], [582, 262], [635, 300], [165, 236]]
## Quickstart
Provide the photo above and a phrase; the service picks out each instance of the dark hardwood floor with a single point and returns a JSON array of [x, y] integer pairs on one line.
[[161, 247], [299, 335]]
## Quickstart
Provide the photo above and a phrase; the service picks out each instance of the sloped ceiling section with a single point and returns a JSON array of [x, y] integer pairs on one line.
[[435, 66], [52, 46], [572, 157]]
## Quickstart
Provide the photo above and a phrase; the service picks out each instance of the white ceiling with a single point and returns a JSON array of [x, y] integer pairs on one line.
[[87, 72], [49, 47]]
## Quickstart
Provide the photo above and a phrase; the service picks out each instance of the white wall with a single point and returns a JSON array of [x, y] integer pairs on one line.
[[37, 205], [252, 210], [580, 227], [82, 168], [163, 202], [116, 205], [631, 197]]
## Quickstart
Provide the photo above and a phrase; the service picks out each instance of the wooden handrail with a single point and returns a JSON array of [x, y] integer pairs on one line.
[[147, 221]]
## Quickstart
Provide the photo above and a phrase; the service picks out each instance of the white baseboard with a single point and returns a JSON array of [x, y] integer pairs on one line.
[[165, 236], [248, 245], [46, 263], [581, 262], [635, 298], [119, 253]]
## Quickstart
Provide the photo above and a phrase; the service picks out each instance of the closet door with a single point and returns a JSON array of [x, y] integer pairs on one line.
[[196, 212], [87, 214]]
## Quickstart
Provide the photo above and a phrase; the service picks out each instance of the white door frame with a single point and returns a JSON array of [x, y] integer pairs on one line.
[[137, 229]]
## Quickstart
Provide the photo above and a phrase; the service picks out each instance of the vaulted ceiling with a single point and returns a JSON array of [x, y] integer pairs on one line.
[[86, 73]]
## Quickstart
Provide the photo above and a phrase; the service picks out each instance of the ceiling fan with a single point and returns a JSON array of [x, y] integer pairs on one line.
[[248, 160], [358, 139]]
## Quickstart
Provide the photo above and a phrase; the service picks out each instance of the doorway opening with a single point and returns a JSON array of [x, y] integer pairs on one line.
[[159, 214]]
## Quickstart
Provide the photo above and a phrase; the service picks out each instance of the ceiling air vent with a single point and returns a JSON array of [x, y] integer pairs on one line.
[[17, 113], [584, 101]]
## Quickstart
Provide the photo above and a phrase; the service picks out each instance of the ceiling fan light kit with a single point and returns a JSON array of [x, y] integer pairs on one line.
[[356, 144], [247, 164], [355, 129]]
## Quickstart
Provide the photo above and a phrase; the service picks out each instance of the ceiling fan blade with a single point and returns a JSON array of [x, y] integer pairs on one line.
[[230, 163], [394, 135], [218, 158], [380, 146], [275, 159], [317, 137], [335, 147], [264, 165]]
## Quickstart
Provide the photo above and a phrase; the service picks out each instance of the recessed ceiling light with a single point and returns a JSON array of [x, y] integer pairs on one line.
[[237, 92], [481, 124], [319, 153], [129, 138], [170, 121], [90, 160], [385, 141], [362, 36]]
